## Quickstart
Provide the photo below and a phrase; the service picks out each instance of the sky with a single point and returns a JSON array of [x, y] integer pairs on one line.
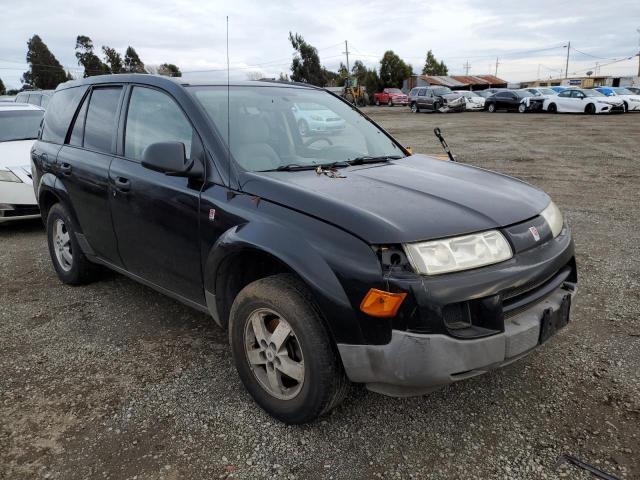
[[527, 37]]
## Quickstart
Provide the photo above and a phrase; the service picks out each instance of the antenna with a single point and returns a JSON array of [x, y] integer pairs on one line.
[[228, 111], [466, 67]]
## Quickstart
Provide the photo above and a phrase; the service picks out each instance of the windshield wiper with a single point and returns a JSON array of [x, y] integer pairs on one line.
[[369, 159], [292, 167]]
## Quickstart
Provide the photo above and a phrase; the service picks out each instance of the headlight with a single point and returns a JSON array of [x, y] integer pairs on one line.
[[9, 176], [316, 118], [553, 216], [458, 253]]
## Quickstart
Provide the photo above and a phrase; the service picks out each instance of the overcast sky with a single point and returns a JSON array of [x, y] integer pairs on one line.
[[527, 36]]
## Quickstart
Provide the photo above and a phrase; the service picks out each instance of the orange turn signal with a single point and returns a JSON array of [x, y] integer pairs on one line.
[[378, 303]]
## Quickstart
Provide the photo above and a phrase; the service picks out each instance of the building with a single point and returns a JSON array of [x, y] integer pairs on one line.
[[585, 82], [455, 82]]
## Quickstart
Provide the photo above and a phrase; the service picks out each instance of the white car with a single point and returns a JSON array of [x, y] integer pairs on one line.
[[19, 125], [544, 92], [630, 99], [580, 100], [472, 101]]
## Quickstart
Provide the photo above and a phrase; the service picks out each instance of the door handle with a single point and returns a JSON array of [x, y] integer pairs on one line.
[[65, 168], [123, 184]]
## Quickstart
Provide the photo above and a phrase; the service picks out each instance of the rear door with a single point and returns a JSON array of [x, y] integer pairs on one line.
[[83, 167], [156, 215], [422, 98], [564, 101]]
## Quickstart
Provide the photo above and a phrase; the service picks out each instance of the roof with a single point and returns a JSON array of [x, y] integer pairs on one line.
[[13, 106], [159, 80], [463, 80]]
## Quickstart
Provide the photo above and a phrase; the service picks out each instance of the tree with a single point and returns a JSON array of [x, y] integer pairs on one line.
[[3, 90], [171, 70], [283, 77], [305, 66], [372, 82], [433, 67], [393, 70], [132, 62], [113, 59], [89, 60], [359, 71], [45, 71]]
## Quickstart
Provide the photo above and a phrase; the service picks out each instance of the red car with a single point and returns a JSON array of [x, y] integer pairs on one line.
[[390, 96]]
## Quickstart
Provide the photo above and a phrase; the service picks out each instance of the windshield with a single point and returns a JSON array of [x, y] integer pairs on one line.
[[622, 91], [523, 93], [547, 91], [467, 94], [394, 90], [441, 91], [592, 93], [19, 124], [270, 129]]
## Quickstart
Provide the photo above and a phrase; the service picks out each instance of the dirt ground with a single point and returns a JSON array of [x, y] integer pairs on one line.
[[113, 380]]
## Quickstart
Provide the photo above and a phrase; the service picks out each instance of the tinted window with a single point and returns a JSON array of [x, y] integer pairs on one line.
[[422, 92], [154, 117], [502, 95], [577, 94], [59, 114], [78, 126], [100, 125], [565, 93], [19, 124], [22, 98]]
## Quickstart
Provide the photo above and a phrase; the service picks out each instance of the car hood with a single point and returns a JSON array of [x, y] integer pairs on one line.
[[411, 199], [15, 153]]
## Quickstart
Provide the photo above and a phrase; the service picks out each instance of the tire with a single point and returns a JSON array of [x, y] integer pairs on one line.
[[590, 109], [285, 300], [625, 106], [377, 102], [71, 265], [390, 103], [522, 108], [415, 108], [303, 128], [491, 108], [436, 106], [552, 108]]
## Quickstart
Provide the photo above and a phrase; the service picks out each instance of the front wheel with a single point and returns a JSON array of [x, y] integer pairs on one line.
[[491, 108], [522, 108], [390, 103], [626, 107], [283, 352], [590, 109], [415, 108]]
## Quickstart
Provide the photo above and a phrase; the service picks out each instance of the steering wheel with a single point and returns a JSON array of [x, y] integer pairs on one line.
[[317, 139]]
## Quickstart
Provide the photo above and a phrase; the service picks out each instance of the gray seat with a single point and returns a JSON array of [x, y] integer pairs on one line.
[[249, 143]]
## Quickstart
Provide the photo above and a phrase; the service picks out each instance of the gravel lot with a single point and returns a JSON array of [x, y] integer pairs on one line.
[[114, 380]]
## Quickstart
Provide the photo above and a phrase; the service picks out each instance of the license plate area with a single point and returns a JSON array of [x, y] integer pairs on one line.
[[552, 321]]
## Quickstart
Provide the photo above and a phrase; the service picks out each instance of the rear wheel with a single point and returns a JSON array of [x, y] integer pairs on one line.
[[70, 263], [491, 108], [283, 352], [377, 102], [552, 108], [390, 103]]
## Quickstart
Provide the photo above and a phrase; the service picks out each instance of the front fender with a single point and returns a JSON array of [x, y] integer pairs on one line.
[[337, 267]]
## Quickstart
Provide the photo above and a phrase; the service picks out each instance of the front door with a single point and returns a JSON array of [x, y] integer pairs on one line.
[[155, 215]]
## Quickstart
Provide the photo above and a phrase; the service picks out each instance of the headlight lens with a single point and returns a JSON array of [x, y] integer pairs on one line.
[[458, 253], [553, 216], [9, 176]]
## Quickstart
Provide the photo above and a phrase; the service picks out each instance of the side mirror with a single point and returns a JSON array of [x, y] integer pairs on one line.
[[169, 158]]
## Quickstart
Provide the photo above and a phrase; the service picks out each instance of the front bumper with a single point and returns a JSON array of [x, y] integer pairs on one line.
[[10, 213], [415, 364], [605, 108]]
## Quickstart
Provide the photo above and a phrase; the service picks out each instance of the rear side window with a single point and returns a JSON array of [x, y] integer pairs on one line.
[[45, 101], [22, 98], [100, 125], [153, 117], [77, 133], [60, 112], [35, 98]]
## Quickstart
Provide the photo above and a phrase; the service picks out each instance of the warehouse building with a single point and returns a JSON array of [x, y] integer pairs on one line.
[[590, 81], [455, 82]]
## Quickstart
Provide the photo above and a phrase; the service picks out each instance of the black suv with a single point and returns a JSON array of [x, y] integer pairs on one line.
[[328, 259]]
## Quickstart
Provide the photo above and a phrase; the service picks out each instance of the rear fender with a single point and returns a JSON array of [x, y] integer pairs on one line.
[[51, 187]]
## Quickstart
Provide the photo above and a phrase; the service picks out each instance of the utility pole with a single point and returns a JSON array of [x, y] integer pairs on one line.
[[538, 77], [466, 67], [497, 63], [346, 52], [566, 69], [638, 30]]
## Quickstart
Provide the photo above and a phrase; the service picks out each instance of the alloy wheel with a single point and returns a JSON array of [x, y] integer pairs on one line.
[[62, 245], [274, 354]]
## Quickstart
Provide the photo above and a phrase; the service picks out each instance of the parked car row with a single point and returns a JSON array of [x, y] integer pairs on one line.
[[533, 99], [39, 98]]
